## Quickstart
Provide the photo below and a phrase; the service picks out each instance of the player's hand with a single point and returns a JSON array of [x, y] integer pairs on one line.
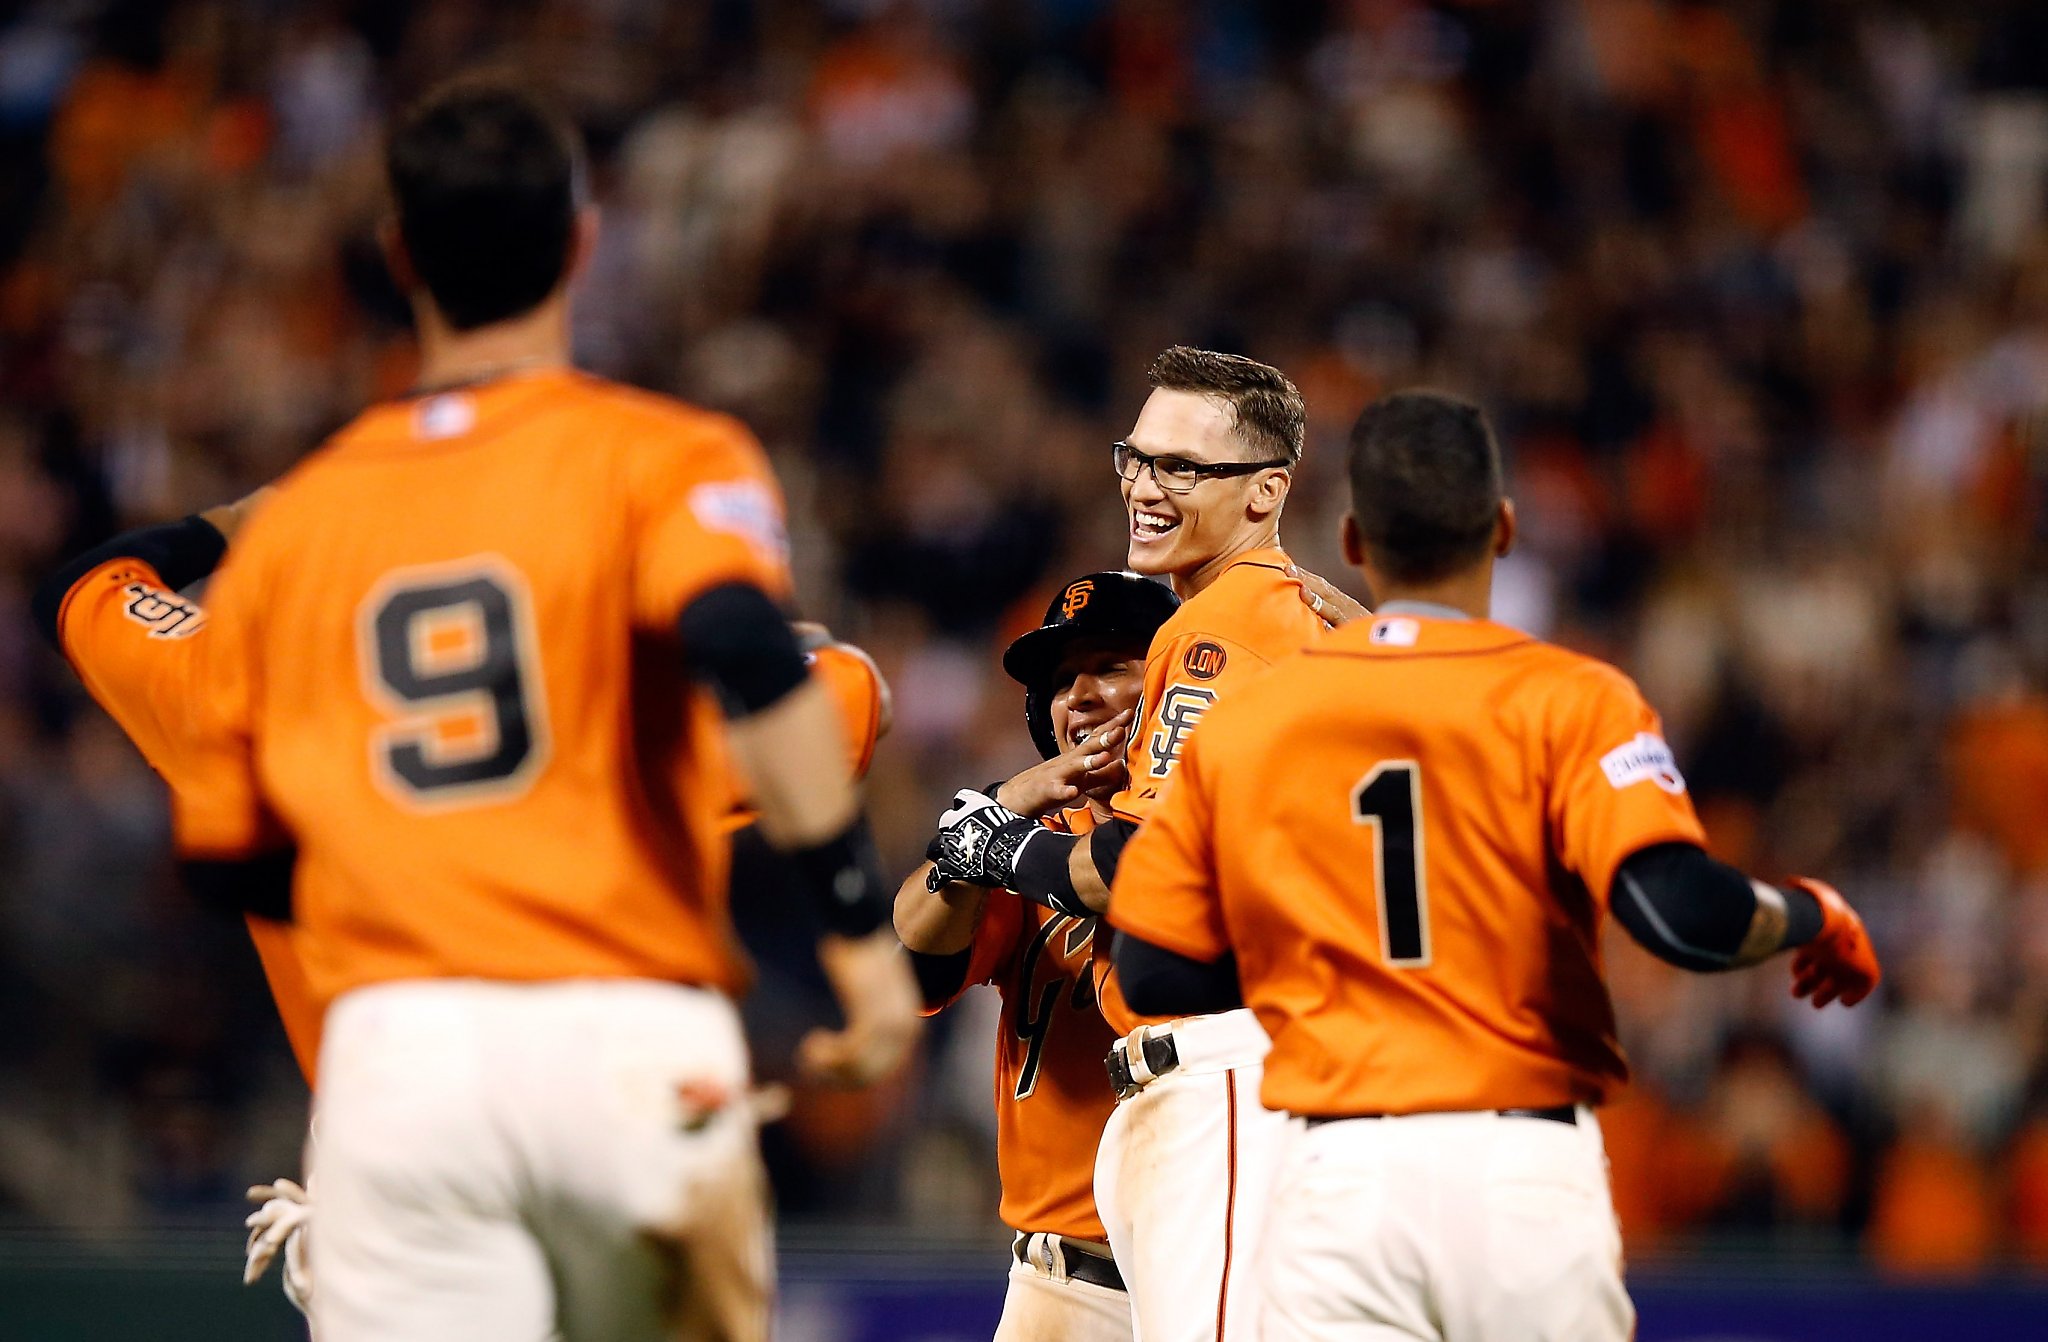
[[228, 518], [1330, 603], [977, 842], [1095, 761], [280, 1223], [1840, 963], [878, 995]]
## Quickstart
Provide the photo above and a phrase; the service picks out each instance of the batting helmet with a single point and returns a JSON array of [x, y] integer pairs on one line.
[[1096, 605]]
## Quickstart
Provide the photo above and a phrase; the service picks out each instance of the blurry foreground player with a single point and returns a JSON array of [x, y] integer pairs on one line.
[[1083, 671], [1185, 1162], [1407, 836], [119, 614], [453, 725]]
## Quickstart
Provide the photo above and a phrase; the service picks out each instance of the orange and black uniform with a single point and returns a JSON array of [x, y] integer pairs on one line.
[[1220, 640], [1052, 1098], [134, 643], [1408, 835], [443, 664]]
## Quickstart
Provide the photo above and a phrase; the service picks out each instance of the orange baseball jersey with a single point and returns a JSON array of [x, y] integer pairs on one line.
[[858, 692], [1407, 835], [132, 642], [443, 663], [1052, 1095], [1221, 638]]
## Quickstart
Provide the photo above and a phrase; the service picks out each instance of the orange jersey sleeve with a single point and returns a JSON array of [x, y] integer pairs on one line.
[[133, 643], [1165, 890], [1617, 786], [709, 513], [218, 809], [861, 696]]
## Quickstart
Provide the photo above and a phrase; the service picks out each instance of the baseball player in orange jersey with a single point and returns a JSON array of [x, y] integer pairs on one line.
[[1407, 837], [1083, 671], [1185, 1161], [117, 614], [452, 723]]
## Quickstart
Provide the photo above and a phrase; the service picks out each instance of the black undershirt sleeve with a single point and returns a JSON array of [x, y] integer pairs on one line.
[[1106, 847], [740, 644], [261, 885], [181, 553], [1689, 910], [940, 977], [1159, 982]]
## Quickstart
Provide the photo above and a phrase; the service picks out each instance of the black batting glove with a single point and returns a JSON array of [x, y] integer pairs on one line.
[[978, 842]]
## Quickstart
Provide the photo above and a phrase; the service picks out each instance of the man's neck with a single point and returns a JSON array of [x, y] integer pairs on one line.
[[1195, 581], [532, 340], [1470, 592]]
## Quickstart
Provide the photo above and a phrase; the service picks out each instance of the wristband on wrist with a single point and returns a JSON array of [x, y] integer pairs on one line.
[[844, 878]]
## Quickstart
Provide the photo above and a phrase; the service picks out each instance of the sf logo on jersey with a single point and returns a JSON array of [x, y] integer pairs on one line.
[[164, 614], [1180, 708]]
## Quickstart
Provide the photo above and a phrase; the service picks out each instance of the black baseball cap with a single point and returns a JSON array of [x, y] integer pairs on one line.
[[1111, 604]]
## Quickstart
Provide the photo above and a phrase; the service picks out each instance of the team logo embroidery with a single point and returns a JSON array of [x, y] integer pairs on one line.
[[1076, 599], [1180, 709], [1396, 633], [164, 614], [1205, 661], [746, 509], [1644, 758]]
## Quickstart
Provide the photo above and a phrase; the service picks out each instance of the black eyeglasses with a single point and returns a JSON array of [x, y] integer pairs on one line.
[[1178, 475]]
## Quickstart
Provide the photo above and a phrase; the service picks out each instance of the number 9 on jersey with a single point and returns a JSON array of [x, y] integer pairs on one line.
[[448, 655]]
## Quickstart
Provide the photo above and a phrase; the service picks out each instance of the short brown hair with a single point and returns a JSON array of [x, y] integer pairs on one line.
[[1426, 484], [485, 179], [1268, 411]]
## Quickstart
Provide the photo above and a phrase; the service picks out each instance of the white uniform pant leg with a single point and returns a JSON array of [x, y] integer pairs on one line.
[[515, 1162], [1182, 1181], [1458, 1227], [1038, 1307]]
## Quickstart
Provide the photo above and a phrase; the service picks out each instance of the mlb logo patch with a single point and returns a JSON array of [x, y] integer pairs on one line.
[[444, 417], [1396, 633]]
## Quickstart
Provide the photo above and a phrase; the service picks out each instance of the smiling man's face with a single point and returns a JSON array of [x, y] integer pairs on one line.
[[1177, 534]]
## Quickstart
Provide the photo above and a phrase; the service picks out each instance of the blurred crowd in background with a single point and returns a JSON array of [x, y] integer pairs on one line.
[[1756, 292]]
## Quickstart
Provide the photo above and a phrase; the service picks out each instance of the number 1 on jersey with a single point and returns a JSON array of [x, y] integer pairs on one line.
[[1389, 799]]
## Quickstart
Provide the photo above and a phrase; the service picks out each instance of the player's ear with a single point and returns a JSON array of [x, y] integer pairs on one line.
[[582, 243], [396, 259], [1354, 543], [1504, 530], [1269, 491]]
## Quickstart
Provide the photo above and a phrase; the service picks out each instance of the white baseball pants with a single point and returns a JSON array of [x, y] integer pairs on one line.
[[514, 1162], [1448, 1227], [1182, 1181], [1044, 1304]]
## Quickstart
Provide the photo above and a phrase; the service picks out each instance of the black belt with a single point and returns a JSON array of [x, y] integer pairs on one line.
[[1160, 1055], [1559, 1113], [1083, 1264]]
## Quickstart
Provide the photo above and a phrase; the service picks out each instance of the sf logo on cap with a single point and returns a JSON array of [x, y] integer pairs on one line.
[[1077, 598]]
